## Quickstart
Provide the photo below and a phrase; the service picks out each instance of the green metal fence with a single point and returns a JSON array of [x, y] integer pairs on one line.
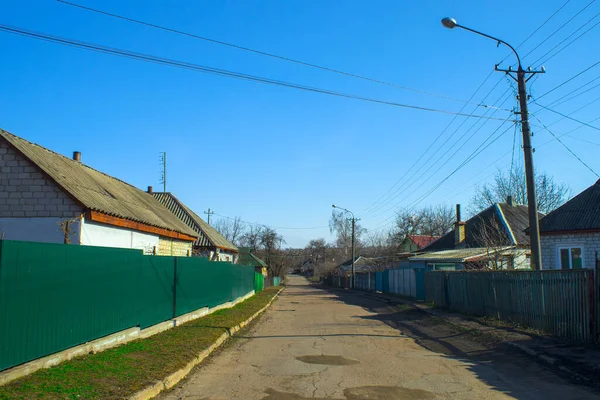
[[559, 302], [259, 282], [54, 296]]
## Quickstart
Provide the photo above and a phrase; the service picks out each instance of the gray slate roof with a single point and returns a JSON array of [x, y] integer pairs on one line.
[[582, 212], [97, 191], [516, 217], [208, 236], [454, 255]]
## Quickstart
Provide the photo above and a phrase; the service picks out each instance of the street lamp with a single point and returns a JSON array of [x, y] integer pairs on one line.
[[534, 226], [353, 223]]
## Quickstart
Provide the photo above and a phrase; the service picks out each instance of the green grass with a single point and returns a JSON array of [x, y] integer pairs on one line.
[[120, 372]]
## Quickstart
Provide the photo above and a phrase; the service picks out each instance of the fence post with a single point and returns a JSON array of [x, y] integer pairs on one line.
[[175, 288]]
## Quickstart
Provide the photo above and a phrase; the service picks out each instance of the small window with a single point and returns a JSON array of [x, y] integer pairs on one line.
[[442, 267], [571, 257]]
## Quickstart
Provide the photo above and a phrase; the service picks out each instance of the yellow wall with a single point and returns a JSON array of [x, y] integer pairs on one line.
[[174, 247]]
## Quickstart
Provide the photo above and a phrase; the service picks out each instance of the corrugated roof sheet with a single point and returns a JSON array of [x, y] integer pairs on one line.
[[582, 212], [517, 217], [247, 258], [456, 255], [208, 236], [97, 191], [422, 241]]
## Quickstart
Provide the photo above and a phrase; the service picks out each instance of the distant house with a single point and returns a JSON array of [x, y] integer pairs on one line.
[[210, 243], [413, 243], [497, 234], [248, 258], [362, 265], [570, 235], [46, 197], [307, 268]]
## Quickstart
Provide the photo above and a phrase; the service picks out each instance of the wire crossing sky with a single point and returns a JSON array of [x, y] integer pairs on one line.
[[390, 111]]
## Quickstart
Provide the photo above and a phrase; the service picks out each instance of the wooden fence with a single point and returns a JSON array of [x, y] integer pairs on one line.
[[559, 302]]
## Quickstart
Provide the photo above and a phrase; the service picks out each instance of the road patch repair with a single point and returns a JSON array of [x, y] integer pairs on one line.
[[142, 368]]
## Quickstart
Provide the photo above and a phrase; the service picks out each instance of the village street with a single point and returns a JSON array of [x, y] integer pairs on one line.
[[317, 344]]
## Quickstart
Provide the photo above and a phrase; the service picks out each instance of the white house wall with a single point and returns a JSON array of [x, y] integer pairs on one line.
[[94, 234], [41, 229], [589, 242]]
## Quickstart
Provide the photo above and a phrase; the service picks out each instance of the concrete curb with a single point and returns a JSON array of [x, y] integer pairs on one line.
[[171, 380]]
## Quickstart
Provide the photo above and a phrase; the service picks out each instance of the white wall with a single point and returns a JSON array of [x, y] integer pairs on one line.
[[94, 234], [41, 229], [589, 242]]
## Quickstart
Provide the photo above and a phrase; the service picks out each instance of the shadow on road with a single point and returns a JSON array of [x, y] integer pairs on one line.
[[491, 360]]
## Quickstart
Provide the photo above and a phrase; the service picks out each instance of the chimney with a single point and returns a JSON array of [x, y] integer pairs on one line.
[[459, 230], [150, 189], [510, 201], [77, 156]]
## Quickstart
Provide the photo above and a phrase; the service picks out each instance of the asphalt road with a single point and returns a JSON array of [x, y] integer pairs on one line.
[[317, 344]]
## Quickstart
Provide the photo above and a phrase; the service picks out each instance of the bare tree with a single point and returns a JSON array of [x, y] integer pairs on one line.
[[317, 250], [430, 221], [377, 244], [550, 194], [231, 228], [437, 220], [491, 235], [252, 237], [341, 226]]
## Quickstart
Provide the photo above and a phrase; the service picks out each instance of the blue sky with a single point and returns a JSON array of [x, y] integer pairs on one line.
[[281, 156]]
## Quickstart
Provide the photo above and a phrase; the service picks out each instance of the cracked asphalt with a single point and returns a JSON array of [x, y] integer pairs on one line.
[[315, 344]]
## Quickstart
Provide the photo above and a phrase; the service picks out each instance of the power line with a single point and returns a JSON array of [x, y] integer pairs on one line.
[[216, 71], [569, 117], [566, 147], [431, 165], [474, 154], [558, 101], [262, 53], [559, 28], [390, 190], [538, 28], [571, 42], [569, 80]]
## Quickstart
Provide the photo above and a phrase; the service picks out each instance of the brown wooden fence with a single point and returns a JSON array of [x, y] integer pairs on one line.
[[560, 302]]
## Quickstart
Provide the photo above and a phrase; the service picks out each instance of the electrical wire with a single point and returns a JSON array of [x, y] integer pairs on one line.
[[472, 156], [216, 71], [512, 161], [262, 53], [571, 42], [404, 176], [569, 80], [559, 28], [537, 29], [419, 179], [563, 99], [566, 147], [569, 117]]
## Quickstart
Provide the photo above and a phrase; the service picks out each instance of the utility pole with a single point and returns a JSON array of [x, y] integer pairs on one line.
[[353, 219], [209, 213], [353, 271], [521, 79], [163, 161]]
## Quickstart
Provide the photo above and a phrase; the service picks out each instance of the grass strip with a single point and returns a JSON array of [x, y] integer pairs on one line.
[[122, 371]]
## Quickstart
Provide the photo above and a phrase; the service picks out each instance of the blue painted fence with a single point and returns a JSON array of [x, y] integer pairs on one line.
[[559, 302]]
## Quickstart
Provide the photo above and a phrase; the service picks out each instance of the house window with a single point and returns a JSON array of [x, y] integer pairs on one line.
[[442, 267], [570, 257]]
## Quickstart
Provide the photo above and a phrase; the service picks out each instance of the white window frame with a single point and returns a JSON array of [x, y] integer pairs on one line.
[[569, 247]]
